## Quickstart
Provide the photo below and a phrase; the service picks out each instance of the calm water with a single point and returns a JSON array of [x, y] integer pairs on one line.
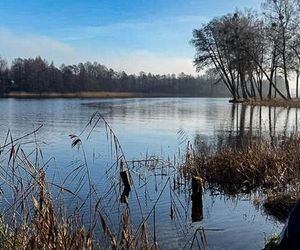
[[150, 127]]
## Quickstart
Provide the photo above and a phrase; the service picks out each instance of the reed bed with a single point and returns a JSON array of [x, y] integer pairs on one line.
[[257, 165], [31, 218]]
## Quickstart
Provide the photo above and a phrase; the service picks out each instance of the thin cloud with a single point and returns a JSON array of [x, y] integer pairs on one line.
[[151, 62], [27, 45], [15, 45]]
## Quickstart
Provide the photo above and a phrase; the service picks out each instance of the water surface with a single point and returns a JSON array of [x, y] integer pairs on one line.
[[147, 127]]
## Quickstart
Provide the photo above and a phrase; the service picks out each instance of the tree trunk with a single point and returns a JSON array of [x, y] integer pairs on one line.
[[286, 81], [297, 83], [275, 82], [272, 74], [243, 85]]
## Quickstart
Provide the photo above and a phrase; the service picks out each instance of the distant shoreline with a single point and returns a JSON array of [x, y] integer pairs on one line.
[[274, 102], [84, 94], [96, 94]]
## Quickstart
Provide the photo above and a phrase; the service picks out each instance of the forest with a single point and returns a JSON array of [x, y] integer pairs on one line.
[[36, 75]]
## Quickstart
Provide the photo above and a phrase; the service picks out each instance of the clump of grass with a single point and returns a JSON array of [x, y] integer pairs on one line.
[[259, 164], [48, 229], [32, 218]]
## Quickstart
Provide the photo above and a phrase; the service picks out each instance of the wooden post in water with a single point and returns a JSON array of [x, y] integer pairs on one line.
[[126, 182], [197, 199]]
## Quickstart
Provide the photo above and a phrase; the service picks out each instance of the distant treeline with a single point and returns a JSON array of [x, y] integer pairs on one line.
[[38, 76]]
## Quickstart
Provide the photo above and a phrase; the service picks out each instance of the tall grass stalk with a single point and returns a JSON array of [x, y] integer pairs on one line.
[[38, 213]]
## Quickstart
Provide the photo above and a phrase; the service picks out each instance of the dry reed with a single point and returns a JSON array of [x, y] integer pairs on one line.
[[35, 212], [257, 165]]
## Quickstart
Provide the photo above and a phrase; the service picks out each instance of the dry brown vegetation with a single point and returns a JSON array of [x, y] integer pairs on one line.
[[257, 165], [274, 102], [47, 229], [36, 212], [269, 170], [30, 217]]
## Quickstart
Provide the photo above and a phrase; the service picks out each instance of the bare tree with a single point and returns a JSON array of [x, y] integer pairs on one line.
[[234, 46], [282, 23]]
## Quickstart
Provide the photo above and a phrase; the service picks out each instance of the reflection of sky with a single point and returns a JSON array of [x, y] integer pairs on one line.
[[147, 126], [142, 125], [146, 122]]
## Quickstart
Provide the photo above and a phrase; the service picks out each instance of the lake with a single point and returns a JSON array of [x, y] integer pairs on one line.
[[159, 127]]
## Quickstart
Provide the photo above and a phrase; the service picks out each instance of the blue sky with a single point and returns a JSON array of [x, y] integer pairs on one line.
[[130, 35]]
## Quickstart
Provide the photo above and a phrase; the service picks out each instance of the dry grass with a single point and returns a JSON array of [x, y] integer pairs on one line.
[[274, 102], [47, 229], [36, 212], [257, 165], [32, 216]]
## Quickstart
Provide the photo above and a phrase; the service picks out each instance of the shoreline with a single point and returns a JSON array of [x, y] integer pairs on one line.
[[292, 103], [84, 94], [277, 102], [96, 94]]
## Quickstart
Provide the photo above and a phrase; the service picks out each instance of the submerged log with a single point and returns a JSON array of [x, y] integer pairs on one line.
[[197, 199], [127, 186]]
